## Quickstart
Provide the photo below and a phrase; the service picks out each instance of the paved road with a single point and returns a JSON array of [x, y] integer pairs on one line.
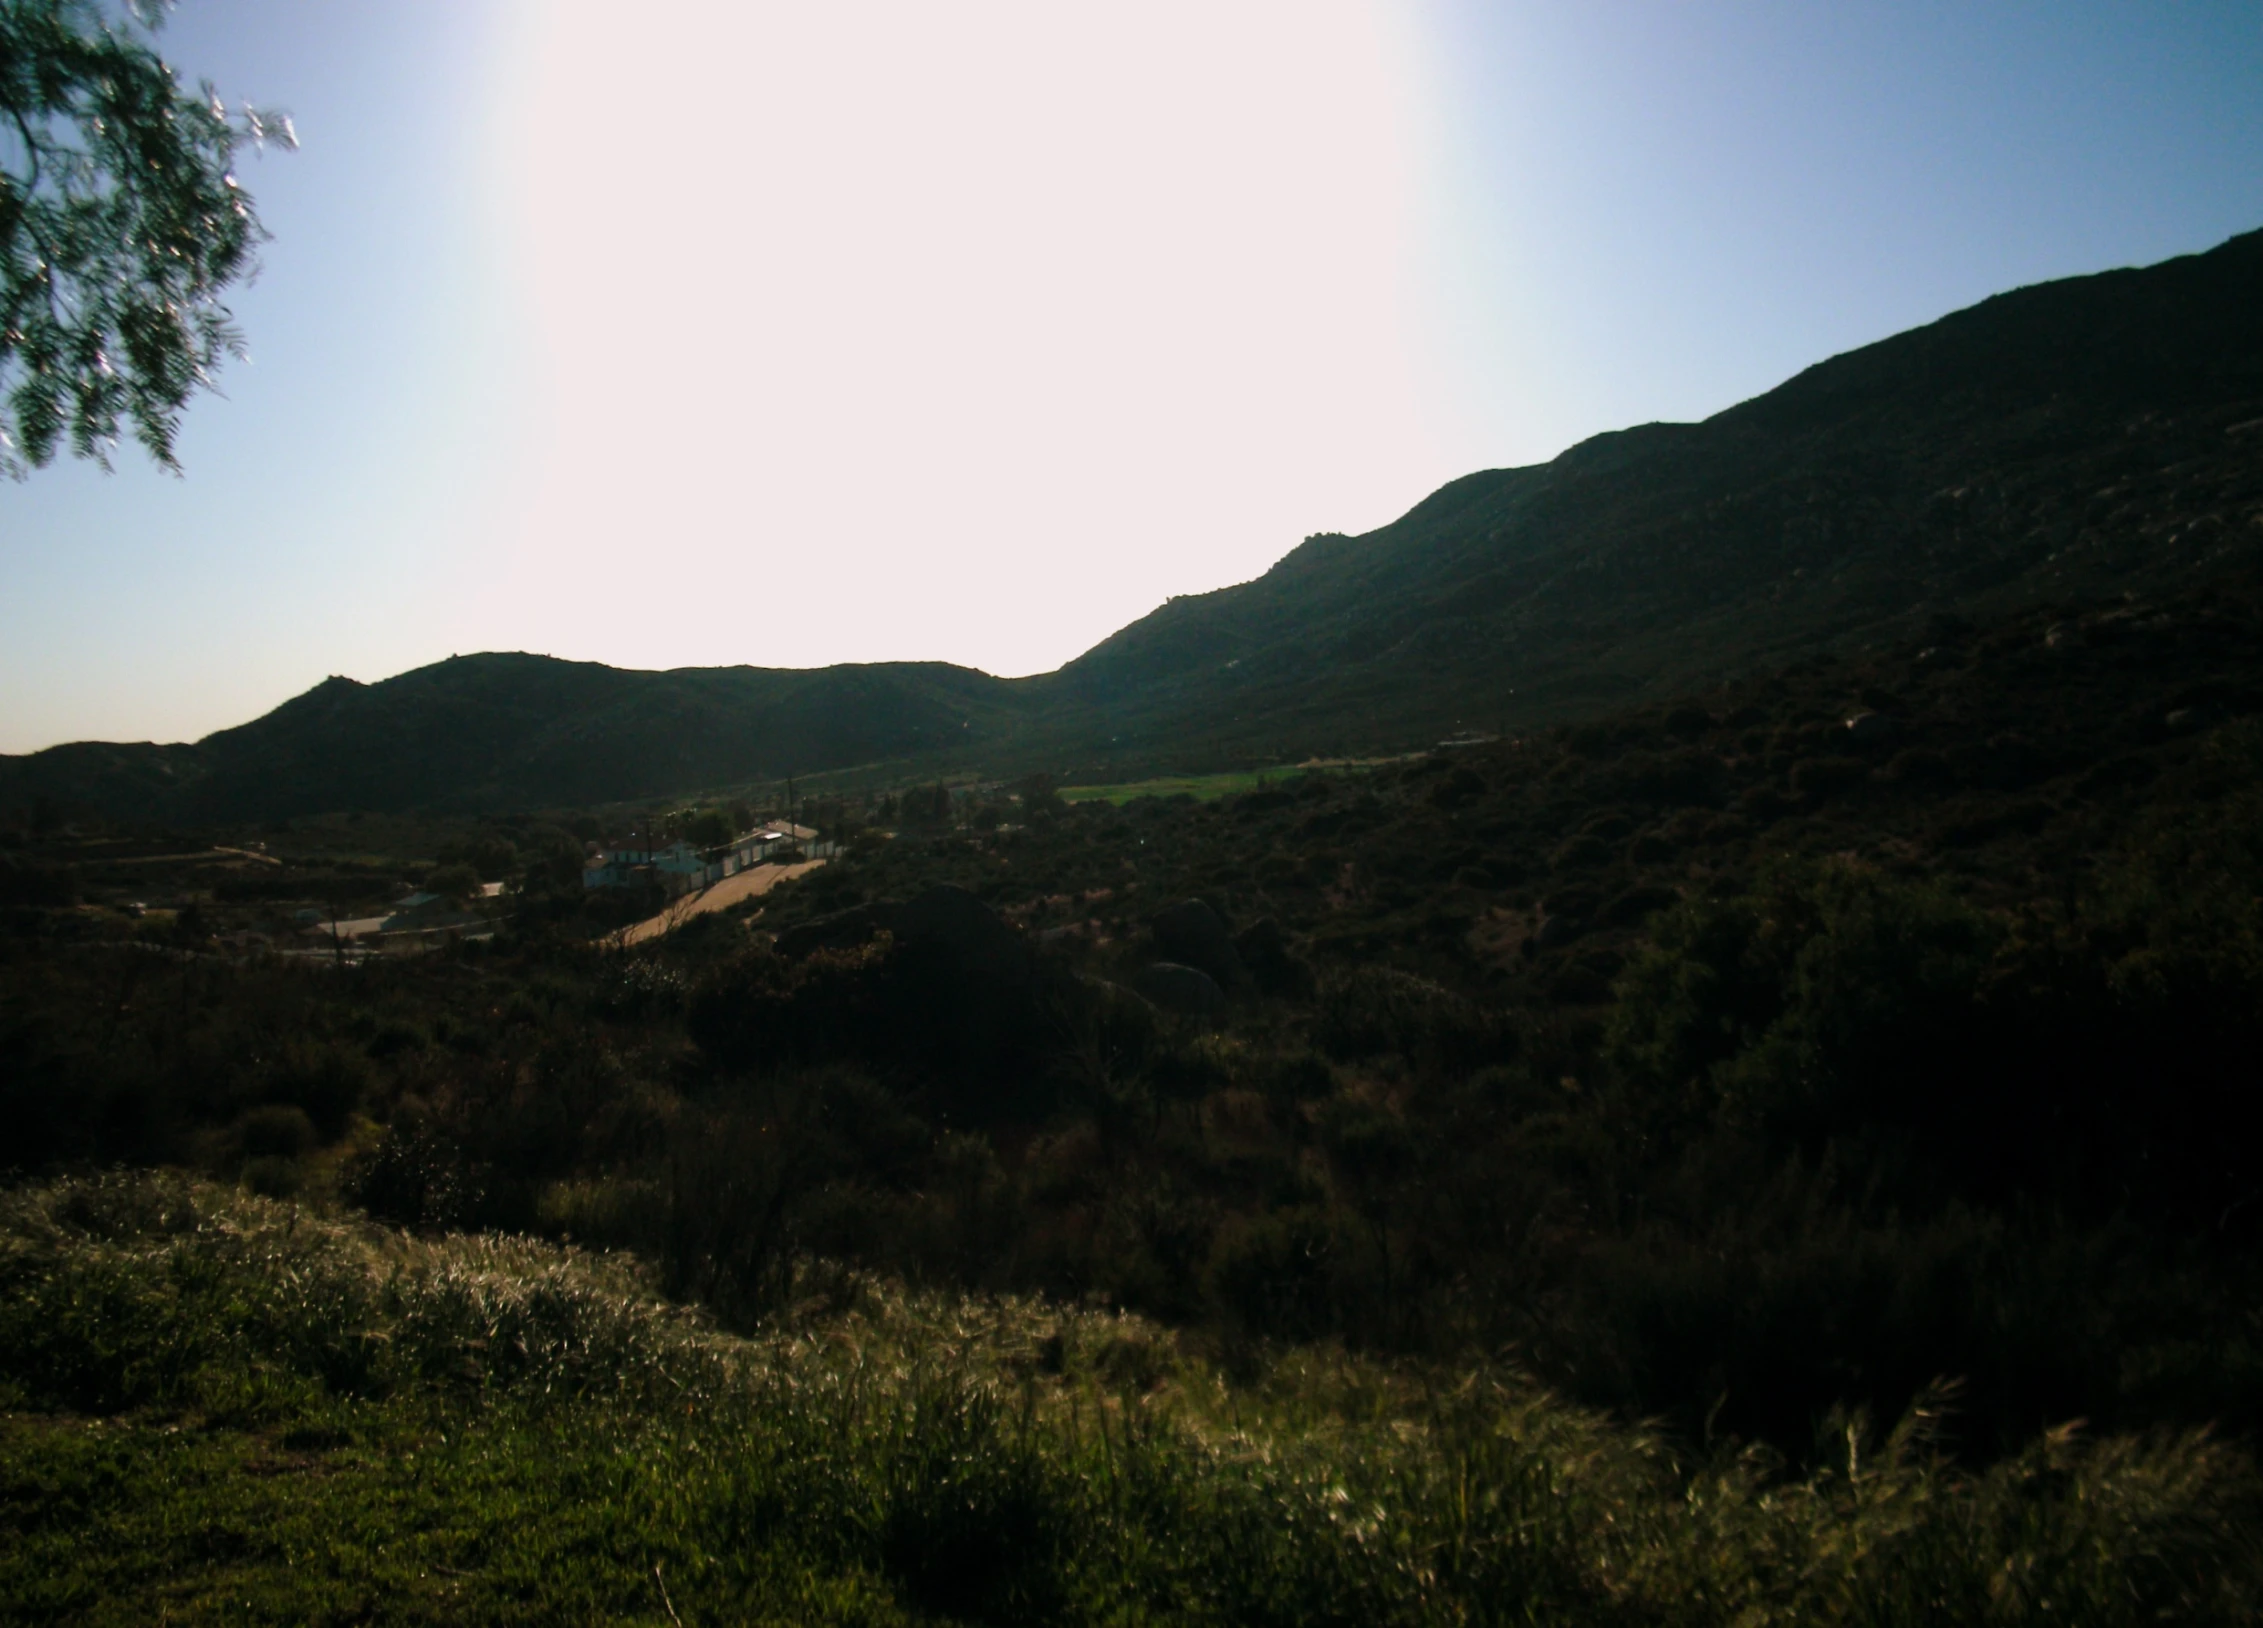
[[748, 884]]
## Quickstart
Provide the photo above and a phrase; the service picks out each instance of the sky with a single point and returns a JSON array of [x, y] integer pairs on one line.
[[739, 331]]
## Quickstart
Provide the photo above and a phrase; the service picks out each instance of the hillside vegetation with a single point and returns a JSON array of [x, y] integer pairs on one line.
[[520, 731], [2081, 437], [1759, 1130]]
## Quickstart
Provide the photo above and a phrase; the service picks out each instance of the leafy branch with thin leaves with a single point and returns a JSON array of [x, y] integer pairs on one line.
[[122, 225]]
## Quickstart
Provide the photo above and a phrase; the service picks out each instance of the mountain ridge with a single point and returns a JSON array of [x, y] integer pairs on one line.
[[2071, 439], [1839, 467], [502, 729]]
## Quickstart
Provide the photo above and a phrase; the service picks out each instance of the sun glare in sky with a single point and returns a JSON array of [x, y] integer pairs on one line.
[[942, 331], [723, 331]]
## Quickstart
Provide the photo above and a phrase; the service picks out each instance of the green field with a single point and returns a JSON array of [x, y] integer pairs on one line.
[[1204, 787]]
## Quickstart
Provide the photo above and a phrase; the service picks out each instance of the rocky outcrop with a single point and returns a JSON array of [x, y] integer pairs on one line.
[[1189, 991], [1191, 934], [945, 923]]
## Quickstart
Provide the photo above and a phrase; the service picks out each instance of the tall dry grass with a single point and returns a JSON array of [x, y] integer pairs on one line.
[[1013, 1460]]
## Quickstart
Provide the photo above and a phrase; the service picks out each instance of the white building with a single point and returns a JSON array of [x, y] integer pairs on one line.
[[679, 867], [675, 867]]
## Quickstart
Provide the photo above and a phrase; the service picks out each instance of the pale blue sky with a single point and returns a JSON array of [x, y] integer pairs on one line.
[[748, 334]]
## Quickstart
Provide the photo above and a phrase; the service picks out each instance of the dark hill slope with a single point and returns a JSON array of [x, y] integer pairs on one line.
[[2067, 444], [2070, 440], [518, 731]]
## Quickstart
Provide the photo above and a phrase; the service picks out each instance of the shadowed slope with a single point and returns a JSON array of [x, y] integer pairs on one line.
[[521, 730], [2069, 442], [2067, 439]]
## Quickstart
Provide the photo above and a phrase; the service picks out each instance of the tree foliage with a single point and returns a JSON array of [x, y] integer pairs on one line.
[[122, 225]]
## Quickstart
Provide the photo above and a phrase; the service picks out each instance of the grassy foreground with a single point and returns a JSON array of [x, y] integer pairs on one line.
[[222, 1408]]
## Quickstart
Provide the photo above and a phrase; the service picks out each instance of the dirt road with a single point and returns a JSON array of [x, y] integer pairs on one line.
[[748, 884]]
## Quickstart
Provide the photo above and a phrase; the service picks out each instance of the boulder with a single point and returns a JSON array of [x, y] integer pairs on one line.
[[1192, 934], [944, 923], [1117, 1020], [843, 930], [963, 930], [1183, 989]]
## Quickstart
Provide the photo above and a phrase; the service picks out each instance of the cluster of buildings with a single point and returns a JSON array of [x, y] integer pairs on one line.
[[419, 921], [681, 867]]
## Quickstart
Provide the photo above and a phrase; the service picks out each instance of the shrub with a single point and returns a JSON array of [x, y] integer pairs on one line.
[[457, 881], [1826, 1001], [1457, 789], [610, 1212], [1817, 778], [1651, 848], [1273, 1275], [1579, 986], [1376, 1008], [762, 1010], [276, 1131], [1368, 1146], [327, 1081], [36, 886], [1920, 766], [1581, 853], [1637, 904], [417, 1179]]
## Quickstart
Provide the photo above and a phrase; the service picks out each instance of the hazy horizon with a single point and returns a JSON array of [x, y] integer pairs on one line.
[[752, 336]]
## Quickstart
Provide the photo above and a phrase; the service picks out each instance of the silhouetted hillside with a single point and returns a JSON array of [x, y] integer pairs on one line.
[[494, 731], [2078, 438], [2069, 443]]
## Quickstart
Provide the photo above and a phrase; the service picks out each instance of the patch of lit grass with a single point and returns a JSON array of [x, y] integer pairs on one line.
[[226, 1409], [1204, 787]]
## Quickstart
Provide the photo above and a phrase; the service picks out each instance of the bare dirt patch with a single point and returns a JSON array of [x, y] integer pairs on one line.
[[748, 884]]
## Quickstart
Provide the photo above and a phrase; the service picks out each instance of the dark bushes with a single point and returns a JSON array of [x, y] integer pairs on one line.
[[1796, 1300], [1816, 778], [326, 1082], [1842, 1005], [276, 1132], [736, 1177], [1274, 1275], [1378, 1008], [762, 1011], [418, 1179], [28, 885]]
